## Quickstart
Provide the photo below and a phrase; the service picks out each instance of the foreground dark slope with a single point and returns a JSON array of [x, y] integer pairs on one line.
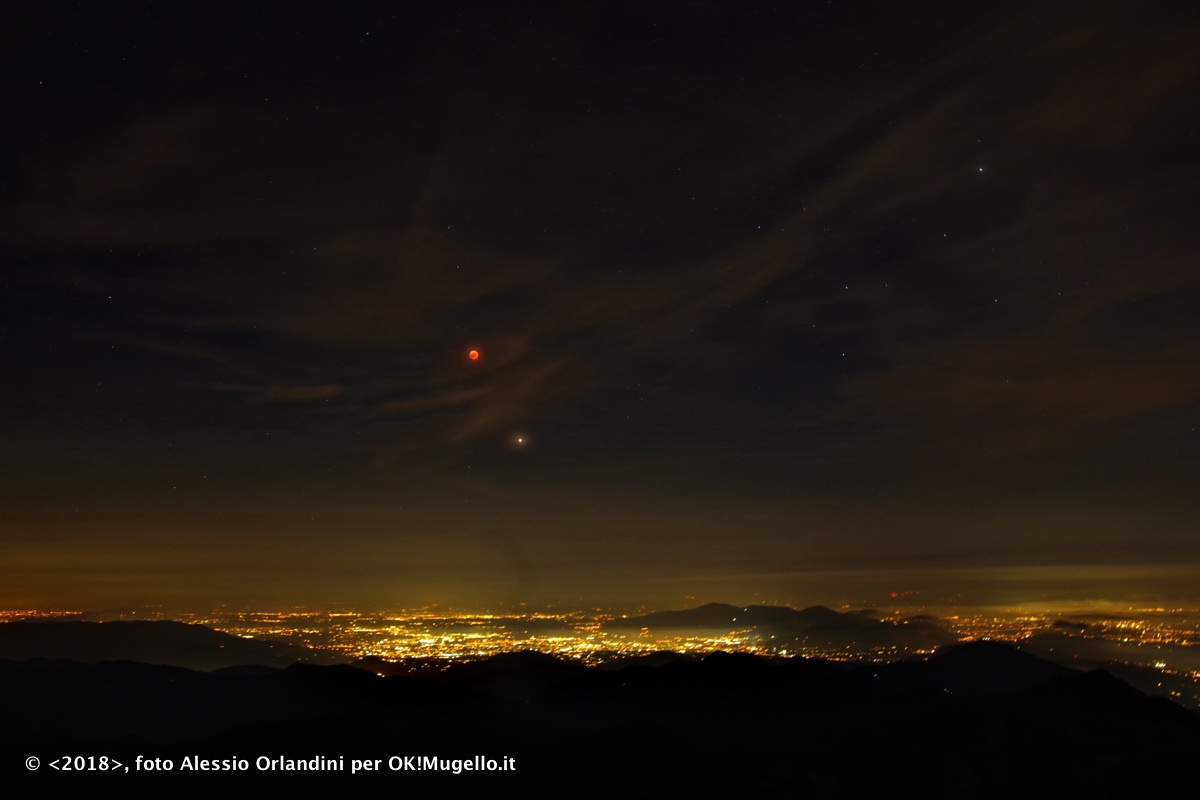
[[978, 720]]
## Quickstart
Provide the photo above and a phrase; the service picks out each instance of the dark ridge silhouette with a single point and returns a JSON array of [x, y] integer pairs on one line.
[[382, 666], [710, 615], [1094, 652], [726, 617], [656, 659], [820, 615], [977, 720], [814, 627], [172, 643], [1063, 624], [520, 676], [983, 666]]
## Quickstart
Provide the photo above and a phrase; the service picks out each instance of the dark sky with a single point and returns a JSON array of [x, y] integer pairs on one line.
[[795, 305]]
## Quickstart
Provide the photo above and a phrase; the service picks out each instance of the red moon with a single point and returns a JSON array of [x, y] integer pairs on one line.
[[473, 355]]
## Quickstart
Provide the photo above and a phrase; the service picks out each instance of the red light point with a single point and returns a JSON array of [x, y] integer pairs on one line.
[[473, 355]]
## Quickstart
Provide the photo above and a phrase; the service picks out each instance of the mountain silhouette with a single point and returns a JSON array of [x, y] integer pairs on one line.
[[982, 719], [161, 642], [816, 627]]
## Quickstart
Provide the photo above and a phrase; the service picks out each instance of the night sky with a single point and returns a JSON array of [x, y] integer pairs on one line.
[[805, 304]]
